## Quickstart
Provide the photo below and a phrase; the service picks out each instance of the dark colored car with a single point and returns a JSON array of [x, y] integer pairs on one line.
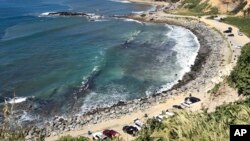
[[230, 35], [130, 130], [192, 99], [110, 133], [177, 106], [227, 31]]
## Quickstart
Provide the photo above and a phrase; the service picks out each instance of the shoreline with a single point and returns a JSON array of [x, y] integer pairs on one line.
[[191, 81], [208, 59]]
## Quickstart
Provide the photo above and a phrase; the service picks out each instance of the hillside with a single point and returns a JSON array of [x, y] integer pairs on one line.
[[191, 126], [234, 6], [203, 7]]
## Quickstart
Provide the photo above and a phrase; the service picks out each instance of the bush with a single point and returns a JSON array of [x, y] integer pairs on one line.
[[70, 138], [215, 89], [240, 76], [204, 126], [199, 7], [10, 130]]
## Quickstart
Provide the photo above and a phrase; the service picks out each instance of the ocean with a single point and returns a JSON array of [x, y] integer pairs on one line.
[[65, 63]]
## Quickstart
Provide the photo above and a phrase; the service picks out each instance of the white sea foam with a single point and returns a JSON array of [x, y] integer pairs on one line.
[[26, 117], [138, 12], [45, 14], [132, 20], [121, 1], [186, 49], [89, 16], [114, 94], [133, 35], [17, 100], [85, 79], [95, 17]]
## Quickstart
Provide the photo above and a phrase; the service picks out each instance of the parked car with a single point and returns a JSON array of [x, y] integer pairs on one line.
[[178, 107], [230, 35], [240, 33], [238, 46], [217, 18], [185, 105], [110, 133], [169, 113], [191, 100], [227, 31], [159, 118], [130, 130], [99, 136], [138, 122]]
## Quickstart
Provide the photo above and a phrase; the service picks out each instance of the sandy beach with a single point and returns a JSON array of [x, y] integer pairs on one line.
[[216, 59]]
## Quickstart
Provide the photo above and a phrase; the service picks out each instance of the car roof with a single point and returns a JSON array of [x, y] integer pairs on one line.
[[110, 131], [97, 134], [192, 98]]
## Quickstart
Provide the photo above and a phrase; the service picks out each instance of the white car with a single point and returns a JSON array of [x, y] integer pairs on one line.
[[159, 118], [169, 113], [186, 105], [138, 122], [240, 33], [99, 136], [137, 127], [238, 46]]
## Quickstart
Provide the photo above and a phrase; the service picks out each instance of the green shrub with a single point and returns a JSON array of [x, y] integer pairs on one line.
[[240, 76], [70, 138], [215, 89], [242, 22], [194, 126], [199, 7]]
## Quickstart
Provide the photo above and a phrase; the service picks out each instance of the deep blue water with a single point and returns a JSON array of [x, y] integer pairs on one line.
[[52, 58]]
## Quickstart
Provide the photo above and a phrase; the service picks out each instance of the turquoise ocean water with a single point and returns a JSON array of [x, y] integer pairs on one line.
[[68, 60]]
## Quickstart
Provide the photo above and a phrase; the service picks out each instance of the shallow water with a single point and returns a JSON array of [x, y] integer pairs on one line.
[[55, 58]]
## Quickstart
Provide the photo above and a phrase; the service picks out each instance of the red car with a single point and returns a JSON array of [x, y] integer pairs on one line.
[[110, 133]]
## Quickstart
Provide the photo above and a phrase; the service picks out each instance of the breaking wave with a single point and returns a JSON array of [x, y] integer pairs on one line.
[[121, 1], [186, 49]]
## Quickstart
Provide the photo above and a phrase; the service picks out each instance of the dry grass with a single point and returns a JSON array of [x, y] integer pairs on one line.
[[190, 126]]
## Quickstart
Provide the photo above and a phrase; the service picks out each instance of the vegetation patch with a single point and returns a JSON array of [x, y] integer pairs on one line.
[[187, 126], [70, 138], [241, 22], [196, 8], [215, 89], [240, 76]]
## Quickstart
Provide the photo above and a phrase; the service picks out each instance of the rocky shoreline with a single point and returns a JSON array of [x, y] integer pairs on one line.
[[205, 68]]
